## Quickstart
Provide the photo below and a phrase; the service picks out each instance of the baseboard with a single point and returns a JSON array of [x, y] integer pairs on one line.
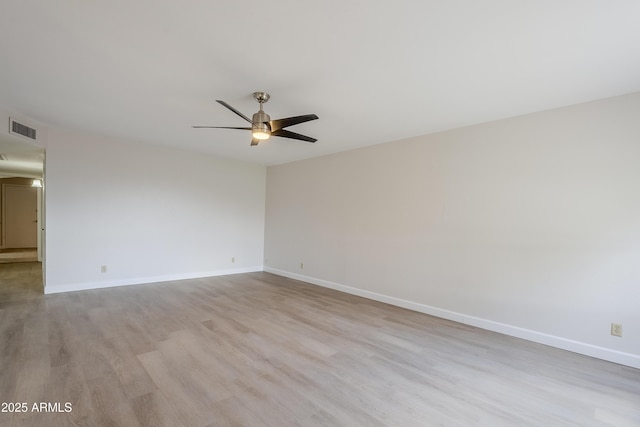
[[143, 280], [603, 353]]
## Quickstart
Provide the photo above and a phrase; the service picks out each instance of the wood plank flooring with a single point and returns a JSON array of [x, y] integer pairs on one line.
[[261, 350]]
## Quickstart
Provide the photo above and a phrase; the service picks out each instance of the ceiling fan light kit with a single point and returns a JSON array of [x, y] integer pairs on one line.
[[260, 131], [262, 127]]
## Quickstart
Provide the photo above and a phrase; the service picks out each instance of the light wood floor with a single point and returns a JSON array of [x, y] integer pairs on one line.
[[261, 350]]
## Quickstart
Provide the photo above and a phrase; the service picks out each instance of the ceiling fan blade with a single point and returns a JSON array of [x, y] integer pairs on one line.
[[218, 127], [234, 110], [290, 121], [254, 141], [288, 134]]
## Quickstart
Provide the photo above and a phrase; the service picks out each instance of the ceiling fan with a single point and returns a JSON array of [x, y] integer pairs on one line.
[[262, 127]]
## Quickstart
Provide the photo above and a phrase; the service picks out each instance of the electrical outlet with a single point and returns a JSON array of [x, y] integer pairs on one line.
[[301, 266], [103, 269], [233, 259], [616, 329]]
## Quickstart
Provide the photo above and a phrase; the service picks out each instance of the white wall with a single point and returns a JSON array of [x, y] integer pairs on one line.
[[528, 226], [148, 213]]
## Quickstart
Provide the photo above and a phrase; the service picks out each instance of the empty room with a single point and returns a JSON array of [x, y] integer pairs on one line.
[[320, 214]]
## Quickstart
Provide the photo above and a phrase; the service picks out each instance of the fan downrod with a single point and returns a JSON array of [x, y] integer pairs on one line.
[[261, 97]]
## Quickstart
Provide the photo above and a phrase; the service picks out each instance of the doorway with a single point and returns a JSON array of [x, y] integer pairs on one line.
[[21, 216], [20, 269]]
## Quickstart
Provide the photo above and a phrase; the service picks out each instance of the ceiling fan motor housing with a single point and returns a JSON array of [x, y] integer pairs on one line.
[[261, 117], [260, 126]]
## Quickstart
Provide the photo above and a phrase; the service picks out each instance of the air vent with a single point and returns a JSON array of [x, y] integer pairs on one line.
[[18, 128]]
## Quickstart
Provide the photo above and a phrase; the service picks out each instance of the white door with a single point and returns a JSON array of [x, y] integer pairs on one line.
[[20, 216]]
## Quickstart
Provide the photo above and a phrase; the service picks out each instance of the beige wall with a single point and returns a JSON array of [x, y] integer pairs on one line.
[[529, 226], [13, 181]]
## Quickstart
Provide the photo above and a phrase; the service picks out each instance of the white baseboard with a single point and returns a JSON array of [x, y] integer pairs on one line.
[[603, 353], [52, 289]]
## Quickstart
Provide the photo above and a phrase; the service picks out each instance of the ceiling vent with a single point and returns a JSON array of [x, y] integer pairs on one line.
[[17, 128]]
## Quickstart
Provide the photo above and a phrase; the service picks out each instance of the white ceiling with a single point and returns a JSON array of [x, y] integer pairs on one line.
[[374, 71]]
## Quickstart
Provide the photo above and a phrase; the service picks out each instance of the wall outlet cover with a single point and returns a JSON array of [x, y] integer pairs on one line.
[[616, 329]]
